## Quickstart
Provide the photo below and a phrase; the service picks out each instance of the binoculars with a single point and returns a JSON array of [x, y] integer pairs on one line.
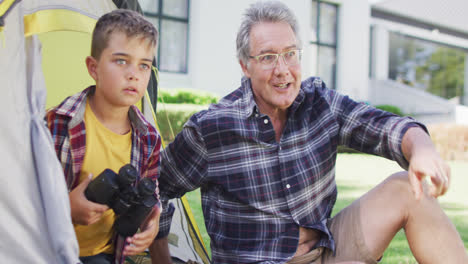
[[131, 204]]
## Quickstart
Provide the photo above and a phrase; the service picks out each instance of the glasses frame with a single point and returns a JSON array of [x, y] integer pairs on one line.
[[277, 55]]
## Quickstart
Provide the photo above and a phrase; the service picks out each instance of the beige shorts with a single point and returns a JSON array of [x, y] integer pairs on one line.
[[350, 246]]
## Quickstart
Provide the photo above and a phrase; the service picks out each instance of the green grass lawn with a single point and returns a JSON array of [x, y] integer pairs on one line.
[[358, 173]]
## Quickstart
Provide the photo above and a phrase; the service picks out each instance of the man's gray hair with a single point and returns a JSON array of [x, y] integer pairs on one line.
[[268, 11]]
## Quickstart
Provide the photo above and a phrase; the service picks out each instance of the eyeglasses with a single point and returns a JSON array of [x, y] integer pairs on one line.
[[269, 60]]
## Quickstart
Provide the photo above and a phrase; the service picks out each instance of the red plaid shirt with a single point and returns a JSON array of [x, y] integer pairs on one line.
[[67, 127]]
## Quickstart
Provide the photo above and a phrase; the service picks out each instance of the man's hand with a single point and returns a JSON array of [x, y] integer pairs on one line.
[[425, 161], [429, 164], [149, 229], [83, 211]]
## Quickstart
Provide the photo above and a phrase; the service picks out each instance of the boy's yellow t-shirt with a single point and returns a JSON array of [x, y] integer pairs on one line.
[[104, 149]]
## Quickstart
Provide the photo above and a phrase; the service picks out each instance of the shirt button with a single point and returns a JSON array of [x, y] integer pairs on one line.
[[288, 186], [265, 121]]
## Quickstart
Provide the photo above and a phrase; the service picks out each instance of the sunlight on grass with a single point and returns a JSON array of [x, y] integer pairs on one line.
[[358, 173]]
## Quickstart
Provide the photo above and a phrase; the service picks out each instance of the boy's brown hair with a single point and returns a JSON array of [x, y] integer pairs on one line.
[[129, 22]]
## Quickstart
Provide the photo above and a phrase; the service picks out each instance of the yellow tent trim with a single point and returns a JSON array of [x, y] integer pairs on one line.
[[184, 199], [55, 20], [195, 226], [5, 5]]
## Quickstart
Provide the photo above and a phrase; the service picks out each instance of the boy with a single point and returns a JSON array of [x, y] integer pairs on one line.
[[101, 128]]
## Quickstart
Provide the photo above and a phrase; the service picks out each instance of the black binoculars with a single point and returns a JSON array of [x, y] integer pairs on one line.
[[131, 204]]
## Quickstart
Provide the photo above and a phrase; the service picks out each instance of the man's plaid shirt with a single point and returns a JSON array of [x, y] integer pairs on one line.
[[67, 127], [256, 192]]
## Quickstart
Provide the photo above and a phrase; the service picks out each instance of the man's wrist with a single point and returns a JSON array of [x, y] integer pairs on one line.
[[159, 251]]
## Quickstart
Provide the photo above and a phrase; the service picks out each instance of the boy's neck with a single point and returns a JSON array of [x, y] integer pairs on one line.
[[114, 118]]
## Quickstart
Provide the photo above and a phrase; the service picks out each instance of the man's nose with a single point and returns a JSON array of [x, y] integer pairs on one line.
[[281, 66]]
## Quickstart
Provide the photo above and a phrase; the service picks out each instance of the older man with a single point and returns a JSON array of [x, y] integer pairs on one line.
[[265, 155]]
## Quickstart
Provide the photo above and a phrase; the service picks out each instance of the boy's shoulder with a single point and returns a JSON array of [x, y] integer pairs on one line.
[[71, 105], [69, 108]]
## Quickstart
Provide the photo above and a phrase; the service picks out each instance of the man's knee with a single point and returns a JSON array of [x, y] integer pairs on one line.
[[401, 182], [397, 190], [398, 183]]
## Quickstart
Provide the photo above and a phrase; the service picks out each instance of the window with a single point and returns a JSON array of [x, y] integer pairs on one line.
[[429, 66], [323, 42], [171, 19]]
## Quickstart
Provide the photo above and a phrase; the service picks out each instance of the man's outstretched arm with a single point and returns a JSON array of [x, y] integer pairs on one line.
[[411, 208]]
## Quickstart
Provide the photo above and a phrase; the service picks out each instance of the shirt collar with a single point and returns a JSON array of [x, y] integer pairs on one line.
[[249, 105], [298, 101], [75, 105], [138, 121]]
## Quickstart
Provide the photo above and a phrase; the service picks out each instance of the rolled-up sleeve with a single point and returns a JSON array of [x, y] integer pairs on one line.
[[371, 130]]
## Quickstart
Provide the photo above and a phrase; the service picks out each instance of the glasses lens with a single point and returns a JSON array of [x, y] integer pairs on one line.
[[268, 59], [292, 57]]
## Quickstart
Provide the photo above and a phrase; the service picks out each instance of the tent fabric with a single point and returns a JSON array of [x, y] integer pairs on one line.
[[35, 225], [54, 195], [71, 15], [185, 234], [185, 241], [5, 7]]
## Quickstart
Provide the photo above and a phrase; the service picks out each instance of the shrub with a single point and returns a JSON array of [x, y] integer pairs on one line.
[[176, 106], [176, 115], [391, 109], [186, 96]]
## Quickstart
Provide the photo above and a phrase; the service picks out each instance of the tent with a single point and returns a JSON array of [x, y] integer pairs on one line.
[[43, 44]]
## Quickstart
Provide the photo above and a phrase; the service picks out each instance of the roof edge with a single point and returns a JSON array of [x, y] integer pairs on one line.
[[377, 12]]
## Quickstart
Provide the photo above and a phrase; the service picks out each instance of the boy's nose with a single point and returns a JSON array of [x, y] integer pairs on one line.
[[132, 73]]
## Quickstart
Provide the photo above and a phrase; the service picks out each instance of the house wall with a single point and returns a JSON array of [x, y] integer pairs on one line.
[[213, 64], [424, 106], [380, 46], [353, 49]]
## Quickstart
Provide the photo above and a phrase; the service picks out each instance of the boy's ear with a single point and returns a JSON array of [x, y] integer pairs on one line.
[[91, 64]]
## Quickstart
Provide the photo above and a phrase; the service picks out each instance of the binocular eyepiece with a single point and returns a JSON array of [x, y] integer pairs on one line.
[[131, 204]]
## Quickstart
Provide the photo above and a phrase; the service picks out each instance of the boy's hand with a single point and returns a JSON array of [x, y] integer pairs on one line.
[[83, 211], [149, 229]]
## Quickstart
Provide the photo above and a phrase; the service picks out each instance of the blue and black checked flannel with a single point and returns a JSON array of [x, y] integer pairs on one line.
[[256, 192]]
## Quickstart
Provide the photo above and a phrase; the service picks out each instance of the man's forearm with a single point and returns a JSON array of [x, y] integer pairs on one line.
[[415, 139], [159, 251]]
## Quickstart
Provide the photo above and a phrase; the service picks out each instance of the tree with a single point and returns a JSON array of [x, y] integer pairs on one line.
[[443, 72]]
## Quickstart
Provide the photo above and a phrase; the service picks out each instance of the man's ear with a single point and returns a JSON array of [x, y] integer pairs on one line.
[[91, 64], [244, 69]]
